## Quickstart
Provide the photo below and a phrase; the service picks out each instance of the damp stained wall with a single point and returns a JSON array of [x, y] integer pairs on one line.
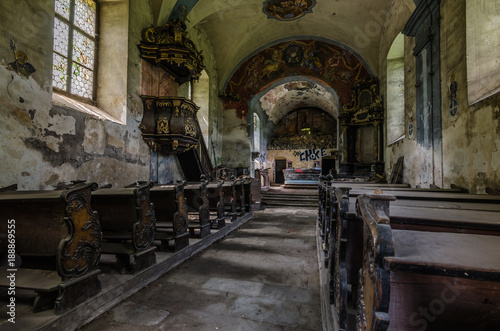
[[470, 135], [211, 106], [236, 141], [41, 144]]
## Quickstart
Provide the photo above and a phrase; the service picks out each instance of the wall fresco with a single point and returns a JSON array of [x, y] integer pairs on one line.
[[305, 128], [311, 58]]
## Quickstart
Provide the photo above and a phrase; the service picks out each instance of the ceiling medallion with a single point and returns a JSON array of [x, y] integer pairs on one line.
[[287, 10]]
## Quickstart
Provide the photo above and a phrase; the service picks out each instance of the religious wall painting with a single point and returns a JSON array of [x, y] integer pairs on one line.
[[20, 64], [287, 10], [328, 63], [305, 129], [411, 128], [452, 96]]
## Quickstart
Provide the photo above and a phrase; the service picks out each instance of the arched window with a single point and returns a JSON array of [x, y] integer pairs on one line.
[[256, 133], [76, 80], [74, 50], [201, 97], [395, 91], [483, 46]]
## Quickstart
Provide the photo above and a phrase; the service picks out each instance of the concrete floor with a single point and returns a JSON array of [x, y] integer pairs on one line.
[[262, 276]]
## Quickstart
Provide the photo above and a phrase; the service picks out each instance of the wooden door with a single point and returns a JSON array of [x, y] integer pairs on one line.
[[279, 165]]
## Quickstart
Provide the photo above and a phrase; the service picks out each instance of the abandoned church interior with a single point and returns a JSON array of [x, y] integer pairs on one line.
[[250, 165]]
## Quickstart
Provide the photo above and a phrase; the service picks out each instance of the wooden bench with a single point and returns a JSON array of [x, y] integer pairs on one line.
[[58, 237], [345, 245], [413, 280], [441, 210], [240, 197], [196, 200], [247, 193], [324, 213], [229, 193], [215, 194], [421, 215], [128, 224], [255, 189], [171, 216]]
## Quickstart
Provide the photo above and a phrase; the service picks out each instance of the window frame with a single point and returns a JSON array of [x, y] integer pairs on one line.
[[69, 56], [395, 104]]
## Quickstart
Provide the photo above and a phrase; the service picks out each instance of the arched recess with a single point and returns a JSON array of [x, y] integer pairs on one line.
[[395, 127], [303, 67], [318, 105], [201, 97], [327, 61]]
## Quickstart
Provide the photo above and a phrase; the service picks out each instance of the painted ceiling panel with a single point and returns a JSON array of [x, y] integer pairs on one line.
[[315, 59], [282, 99], [240, 27]]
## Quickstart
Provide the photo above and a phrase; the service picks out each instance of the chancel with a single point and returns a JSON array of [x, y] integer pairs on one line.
[[250, 165]]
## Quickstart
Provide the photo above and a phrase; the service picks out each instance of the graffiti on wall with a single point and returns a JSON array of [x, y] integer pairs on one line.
[[312, 154]]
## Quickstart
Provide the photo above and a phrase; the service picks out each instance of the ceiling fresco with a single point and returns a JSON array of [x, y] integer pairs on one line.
[[287, 9], [281, 99], [334, 65]]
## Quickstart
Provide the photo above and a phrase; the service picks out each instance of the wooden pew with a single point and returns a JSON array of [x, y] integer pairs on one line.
[[321, 202], [58, 237], [459, 212], [196, 200], [324, 214], [215, 196], [229, 192], [171, 216], [255, 188], [240, 197], [434, 214], [413, 280], [128, 224], [247, 187], [345, 246]]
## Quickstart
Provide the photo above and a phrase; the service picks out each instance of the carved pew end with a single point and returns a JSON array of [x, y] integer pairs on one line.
[[128, 258], [128, 224], [53, 227], [197, 230], [168, 241]]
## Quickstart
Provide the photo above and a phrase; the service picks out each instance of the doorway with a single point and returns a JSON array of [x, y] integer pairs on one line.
[[279, 165], [327, 163]]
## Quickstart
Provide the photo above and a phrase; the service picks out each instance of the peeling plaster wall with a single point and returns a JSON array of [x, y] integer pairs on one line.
[[215, 134], [42, 145], [236, 142], [416, 169], [471, 137]]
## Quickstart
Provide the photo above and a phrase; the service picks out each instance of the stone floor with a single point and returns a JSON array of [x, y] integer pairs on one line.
[[262, 276]]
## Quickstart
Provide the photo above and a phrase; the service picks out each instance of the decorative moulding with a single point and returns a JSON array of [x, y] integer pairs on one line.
[[169, 47], [365, 106], [169, 124]]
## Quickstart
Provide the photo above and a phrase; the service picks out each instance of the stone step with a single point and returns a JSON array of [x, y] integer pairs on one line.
[[292, 199], [289, 204]]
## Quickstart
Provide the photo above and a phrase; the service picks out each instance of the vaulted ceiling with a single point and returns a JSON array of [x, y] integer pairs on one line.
[[238, 29]]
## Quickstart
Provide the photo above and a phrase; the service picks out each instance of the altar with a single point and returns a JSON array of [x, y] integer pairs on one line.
[[302, 176]]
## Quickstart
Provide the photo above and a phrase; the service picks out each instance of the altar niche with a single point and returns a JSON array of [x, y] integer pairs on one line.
[[302, 140], [361, 123]]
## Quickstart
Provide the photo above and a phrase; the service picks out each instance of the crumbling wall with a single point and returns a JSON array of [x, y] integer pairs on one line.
[[41, 144]]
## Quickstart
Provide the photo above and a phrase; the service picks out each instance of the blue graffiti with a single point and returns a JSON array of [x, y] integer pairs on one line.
[[312, 154]]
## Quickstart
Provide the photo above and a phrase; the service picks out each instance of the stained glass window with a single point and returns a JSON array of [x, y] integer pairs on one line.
[[75, 44]]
